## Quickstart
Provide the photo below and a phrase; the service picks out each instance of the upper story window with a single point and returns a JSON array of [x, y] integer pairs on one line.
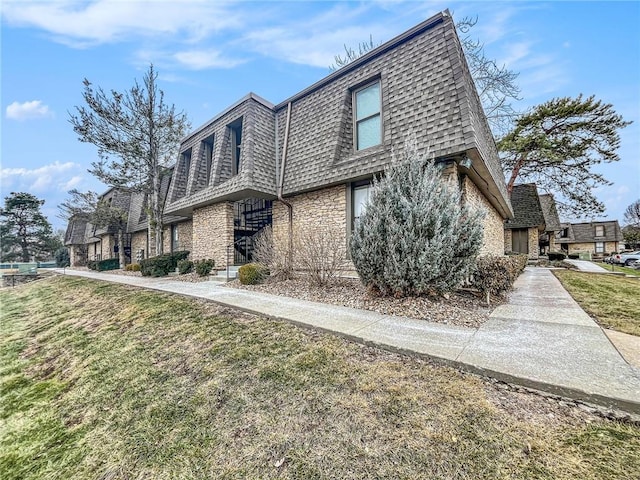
[[185, 158], [207, 147], [564, 233], [599, 230], [236, 145], [368, 118]]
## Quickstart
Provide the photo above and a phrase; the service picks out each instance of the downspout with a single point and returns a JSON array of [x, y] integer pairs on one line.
[[281, 183]]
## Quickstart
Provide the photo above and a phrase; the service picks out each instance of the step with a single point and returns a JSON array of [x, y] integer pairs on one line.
[[221, 275]]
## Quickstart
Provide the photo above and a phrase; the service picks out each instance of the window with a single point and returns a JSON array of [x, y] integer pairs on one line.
[[368, 121], [564, 233], [186, 162], [207, 147], [360, 193], [236, 146], [175, 245], [599, 247], [599, 230]]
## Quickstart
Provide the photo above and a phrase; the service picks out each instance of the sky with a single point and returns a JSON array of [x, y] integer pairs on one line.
[[210, 54]]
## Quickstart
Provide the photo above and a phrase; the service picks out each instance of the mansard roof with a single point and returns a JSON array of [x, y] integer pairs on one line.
[[585, 232], [527, 211]]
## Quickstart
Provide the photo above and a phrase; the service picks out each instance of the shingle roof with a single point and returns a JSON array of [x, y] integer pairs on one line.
[[586, 232], [76, 230], [526, 207], [551, 219]]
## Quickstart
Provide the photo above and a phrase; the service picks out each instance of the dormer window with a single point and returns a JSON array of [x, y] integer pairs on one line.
[[367, 114], [207, 147], [185, 159], [236, 146], [599, 230]]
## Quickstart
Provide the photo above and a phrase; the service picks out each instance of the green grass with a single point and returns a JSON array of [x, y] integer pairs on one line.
[[101, 381], [612, 300], [619, 268]]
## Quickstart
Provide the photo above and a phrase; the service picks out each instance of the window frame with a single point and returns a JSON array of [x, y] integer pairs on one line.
[[599, 247], [601, 228], [207, 148], [357, 121], [186, 156], [236, 148]]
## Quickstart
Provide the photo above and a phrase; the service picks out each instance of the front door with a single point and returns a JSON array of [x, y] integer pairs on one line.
[[520, 240]]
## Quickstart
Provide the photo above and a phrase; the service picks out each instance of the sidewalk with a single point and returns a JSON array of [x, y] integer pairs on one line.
[[540, 339]]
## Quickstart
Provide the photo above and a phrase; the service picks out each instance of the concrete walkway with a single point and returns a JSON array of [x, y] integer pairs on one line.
[[540, 339], [585, 266]]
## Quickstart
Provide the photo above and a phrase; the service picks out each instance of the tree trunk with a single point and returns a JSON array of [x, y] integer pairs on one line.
[[515, 172], [121, 254], [156, 207]]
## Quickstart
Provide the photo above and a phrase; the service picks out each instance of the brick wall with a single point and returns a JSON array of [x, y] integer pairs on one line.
[[591, 247], [139, 242], [212, 229]]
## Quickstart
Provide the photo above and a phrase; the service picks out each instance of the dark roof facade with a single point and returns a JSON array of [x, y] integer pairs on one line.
[[76, 230], [426, 90], [550, 213], [586, 232], [527, 210]]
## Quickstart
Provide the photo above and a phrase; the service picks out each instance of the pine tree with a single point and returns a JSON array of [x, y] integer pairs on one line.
[[414, 236]]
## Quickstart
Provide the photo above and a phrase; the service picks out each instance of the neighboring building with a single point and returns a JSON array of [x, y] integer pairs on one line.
[[75, 239], [307, 163], [596, 238], [532, 230]]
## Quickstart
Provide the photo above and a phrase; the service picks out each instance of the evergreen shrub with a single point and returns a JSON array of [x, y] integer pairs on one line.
[[204, 267], [414, 236], [557, 256], [162, 264], [185, 266], [252, 273], [574, 256], [109, 264], [495, 275], [62, 258]]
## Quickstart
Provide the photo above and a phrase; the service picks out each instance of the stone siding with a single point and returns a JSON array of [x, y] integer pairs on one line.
[[319, 211], [591, 247], [212, 229], [493, 242], [139, 242], [185, 237]]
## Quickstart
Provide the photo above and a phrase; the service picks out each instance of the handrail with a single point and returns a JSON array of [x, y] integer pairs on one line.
[[228, 248]]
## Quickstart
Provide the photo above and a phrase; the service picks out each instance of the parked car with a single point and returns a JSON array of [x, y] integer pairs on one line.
[[626, 258], [635, 264]]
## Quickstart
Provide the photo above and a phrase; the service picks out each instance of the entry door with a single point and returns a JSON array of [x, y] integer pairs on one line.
[[520, 240]]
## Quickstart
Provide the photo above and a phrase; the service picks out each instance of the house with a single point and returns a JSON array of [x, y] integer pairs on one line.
[[307, 162], [532, 230], [595, 238], [75, 239]]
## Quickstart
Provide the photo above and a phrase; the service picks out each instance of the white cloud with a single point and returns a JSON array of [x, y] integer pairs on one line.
[[54, 176], [205, 59], [107, 21], [28, 110]]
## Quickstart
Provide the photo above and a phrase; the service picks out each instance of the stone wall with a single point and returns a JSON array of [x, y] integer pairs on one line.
[[139, 242], [534, 243], [212, 231], [78, 255], [185, 236], [320, 211], [591, 247], [494, 239]]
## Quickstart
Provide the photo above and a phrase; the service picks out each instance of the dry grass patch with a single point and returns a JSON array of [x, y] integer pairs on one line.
[[107, 381], [612, 300]]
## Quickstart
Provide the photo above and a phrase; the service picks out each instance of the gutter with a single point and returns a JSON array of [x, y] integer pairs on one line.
[[281, 180]]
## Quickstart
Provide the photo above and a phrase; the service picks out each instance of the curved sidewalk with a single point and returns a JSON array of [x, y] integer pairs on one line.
[[539, 339]]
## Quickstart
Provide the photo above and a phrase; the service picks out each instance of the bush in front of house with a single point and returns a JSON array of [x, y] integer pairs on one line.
[[185, 266], [557, 256], [132, 267], [573, 256], [108, 264], [495, 275], [415, 236], [204, 267], [162, 264], [252, 273]]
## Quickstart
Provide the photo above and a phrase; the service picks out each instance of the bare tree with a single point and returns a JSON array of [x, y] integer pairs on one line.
[[137, 136], [350, 54]]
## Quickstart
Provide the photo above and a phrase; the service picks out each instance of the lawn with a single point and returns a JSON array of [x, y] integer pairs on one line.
[[102, 381], [618, 268], [614, 301]]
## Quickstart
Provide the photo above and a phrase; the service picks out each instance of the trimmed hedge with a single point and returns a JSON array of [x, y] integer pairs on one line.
[[204, 267], [557, 256], [252, 273], [102, 265], [132, 267], [162, 265], [185, 266], [574, 256], [495, 275]]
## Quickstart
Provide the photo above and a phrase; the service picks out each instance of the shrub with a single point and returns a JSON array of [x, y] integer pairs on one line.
[[132, 267], [204, 267], [162, 264], [275, 255], [495, 275], [414, 236], [92, 265], [573, 256], [185, 266], [320, 254], [61, 257], [557, 256], [252, 273], [109, 264]]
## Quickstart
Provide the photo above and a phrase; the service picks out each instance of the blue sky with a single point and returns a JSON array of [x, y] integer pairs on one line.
[[210, 54]]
